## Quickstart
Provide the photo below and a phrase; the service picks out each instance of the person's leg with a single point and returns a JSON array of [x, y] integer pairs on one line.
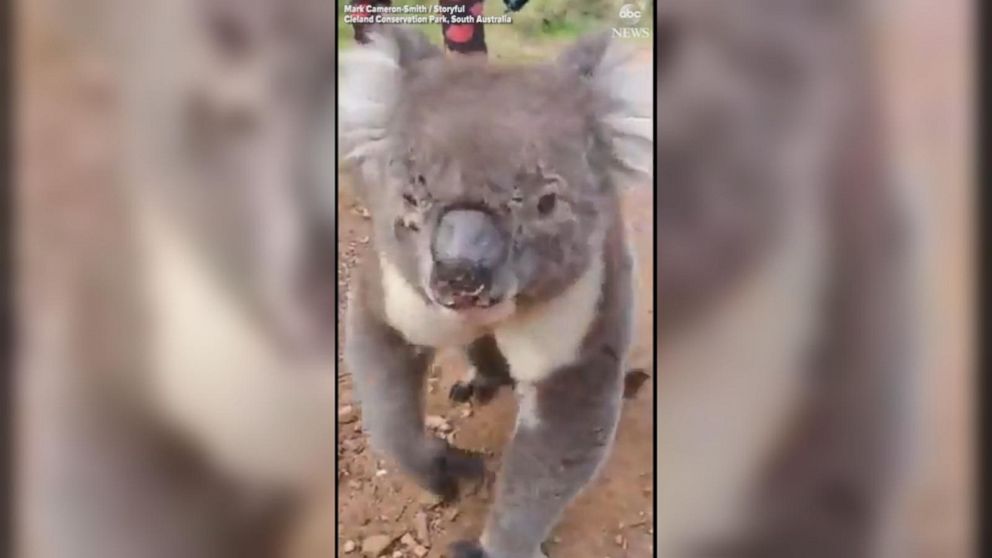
[[362, 29], [464, 38]]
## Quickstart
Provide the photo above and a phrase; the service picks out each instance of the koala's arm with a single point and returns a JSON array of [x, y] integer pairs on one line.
[[565, 427], [389, 377]]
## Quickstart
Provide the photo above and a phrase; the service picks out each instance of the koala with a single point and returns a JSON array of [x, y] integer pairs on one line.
[[788, 279], [176, 318], [494, 194]]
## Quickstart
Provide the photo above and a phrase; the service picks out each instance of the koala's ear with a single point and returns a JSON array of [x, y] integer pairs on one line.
[[371, 86], [622, 81]]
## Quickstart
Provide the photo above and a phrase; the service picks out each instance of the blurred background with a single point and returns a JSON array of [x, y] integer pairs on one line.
[[919, 55], [75, 250], [928, 52]]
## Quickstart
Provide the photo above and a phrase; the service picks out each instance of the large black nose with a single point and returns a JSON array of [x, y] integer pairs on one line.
[[468, 247]]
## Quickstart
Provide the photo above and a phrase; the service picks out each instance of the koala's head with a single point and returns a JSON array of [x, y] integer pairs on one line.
[[490, 184]]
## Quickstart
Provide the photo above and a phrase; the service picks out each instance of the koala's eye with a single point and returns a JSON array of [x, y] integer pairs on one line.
[[546, 203], [409, 199]]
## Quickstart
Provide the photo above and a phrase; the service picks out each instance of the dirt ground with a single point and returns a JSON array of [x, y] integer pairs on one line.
[[612, 518]]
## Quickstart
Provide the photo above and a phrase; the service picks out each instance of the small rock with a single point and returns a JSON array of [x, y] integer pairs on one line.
[[407, 540], [619, 540], [397, 554], [437, 423], [347, 414], [420, 551], [430, 499], [381, 472], [420, 525], [467, 412], [376, 544], [349, 546], [453, 515]]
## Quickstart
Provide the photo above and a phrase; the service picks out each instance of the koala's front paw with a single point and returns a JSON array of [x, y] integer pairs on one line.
[[461, 392], [466, 549], [451, 465], [481, 390], [472, 549]]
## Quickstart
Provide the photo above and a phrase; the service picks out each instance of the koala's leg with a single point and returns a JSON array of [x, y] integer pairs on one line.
[[389, 376], [489, 371], [565, 427]]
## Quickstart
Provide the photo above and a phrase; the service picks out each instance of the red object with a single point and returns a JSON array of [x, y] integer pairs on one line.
[[460, 32], [463, 32]]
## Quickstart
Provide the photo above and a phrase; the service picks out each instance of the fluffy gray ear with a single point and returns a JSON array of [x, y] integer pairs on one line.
[[622, 80], [371, 83]]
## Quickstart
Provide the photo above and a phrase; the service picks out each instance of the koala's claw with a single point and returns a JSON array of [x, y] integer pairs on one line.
[[461, 392], [454, 464], [482, 392], [466, 549], [472, 549]]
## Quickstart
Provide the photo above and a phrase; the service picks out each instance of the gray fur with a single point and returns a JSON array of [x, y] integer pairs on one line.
[[566, 128]]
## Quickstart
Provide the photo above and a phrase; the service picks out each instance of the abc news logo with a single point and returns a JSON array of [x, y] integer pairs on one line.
[[630, 15]]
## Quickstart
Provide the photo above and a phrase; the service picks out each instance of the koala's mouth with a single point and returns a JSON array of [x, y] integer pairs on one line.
[[480, 308], [476, 303], [461, 301]]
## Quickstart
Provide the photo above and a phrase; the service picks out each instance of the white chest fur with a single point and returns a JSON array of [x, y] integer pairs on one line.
[[261, 417], [546, 338], [534, 343], [419, 322]]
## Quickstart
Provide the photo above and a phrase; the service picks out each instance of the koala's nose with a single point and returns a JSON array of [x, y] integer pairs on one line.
[[468, 246]]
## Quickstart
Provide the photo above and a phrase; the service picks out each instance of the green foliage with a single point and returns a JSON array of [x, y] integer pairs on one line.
[[562, 18]]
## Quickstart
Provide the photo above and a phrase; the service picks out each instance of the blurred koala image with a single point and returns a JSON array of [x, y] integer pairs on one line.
[[176, 217], [788, 287], [508, 243]]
